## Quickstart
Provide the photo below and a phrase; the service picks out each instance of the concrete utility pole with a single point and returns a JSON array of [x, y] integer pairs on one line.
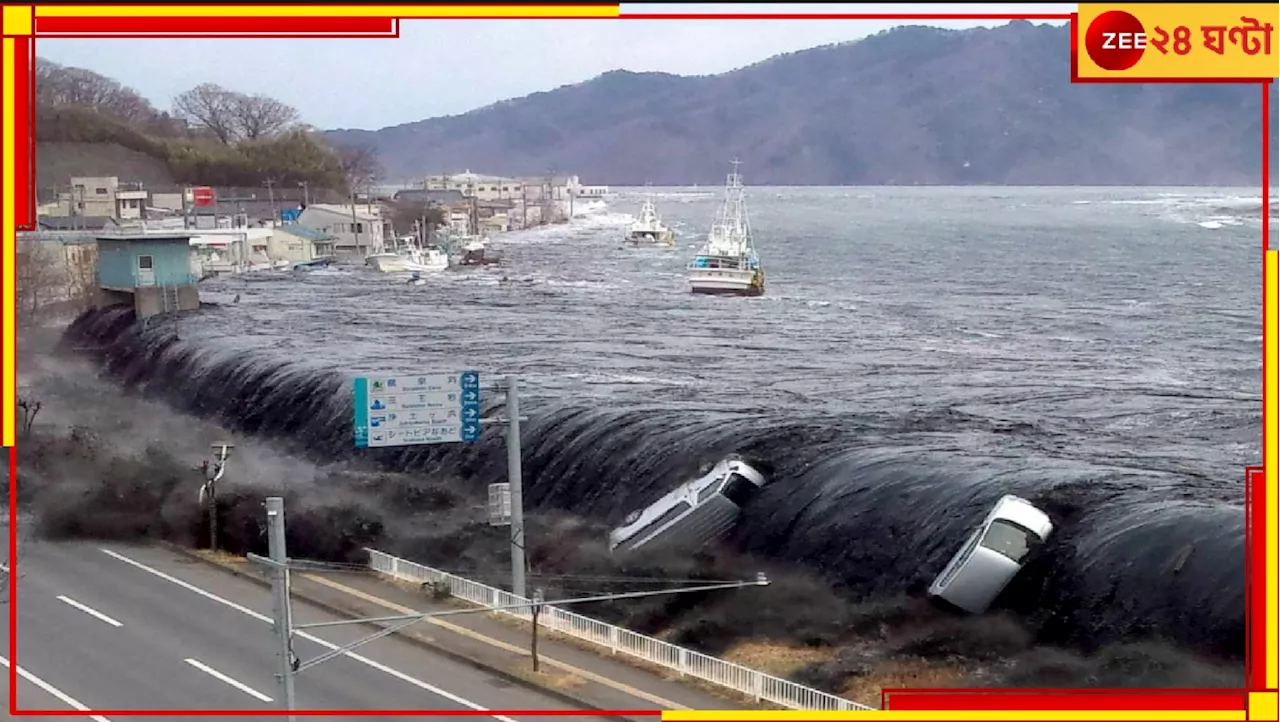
[[515, 477], [271, 199], [281, 611]]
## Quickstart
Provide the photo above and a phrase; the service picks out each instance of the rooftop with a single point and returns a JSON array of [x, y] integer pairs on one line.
[[310, 234], [361, 213], [431, 196], [147, 237], [71, 223]]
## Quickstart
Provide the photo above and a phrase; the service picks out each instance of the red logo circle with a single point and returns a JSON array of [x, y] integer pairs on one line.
[[1115, 40]]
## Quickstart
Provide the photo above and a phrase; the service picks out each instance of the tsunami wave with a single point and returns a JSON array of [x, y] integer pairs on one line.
[[1136, 554]]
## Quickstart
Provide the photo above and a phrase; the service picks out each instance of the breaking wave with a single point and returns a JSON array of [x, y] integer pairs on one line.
[[1137, 553]]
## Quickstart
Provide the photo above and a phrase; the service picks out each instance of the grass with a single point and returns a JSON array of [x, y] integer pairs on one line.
[[903, 673], [775, 658]]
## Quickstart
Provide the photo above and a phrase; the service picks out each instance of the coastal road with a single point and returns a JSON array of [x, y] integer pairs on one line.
[[116, 627]]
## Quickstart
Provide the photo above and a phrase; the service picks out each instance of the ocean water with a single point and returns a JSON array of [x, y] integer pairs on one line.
[[919, 352]]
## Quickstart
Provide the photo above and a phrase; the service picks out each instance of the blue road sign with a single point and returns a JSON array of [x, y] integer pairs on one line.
[[420, 409]]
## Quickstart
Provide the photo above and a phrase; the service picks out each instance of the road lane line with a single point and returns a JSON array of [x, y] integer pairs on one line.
[[303, 635], [224, 678], [662, 702], [90, 611], [62, 696]]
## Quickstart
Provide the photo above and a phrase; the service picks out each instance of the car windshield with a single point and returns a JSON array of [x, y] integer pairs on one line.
[[1009, 539]]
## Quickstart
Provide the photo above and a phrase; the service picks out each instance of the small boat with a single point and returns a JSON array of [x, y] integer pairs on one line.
[[727, 264], [410, 257], [649, 230], [476, 252], [693, 515]]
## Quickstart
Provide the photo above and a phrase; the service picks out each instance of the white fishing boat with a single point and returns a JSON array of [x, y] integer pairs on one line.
[[727, 264], [409, 258], [648, 228]]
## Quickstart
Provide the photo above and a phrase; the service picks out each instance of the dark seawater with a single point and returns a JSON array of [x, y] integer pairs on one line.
[[919, 352]]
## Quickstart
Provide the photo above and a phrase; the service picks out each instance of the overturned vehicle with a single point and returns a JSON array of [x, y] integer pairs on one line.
[[695, 514]]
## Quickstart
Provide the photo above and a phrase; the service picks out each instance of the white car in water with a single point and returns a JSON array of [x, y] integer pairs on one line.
[[694, 514], [993, 554]]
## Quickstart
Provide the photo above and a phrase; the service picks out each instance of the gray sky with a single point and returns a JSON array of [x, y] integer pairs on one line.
[[448, 67]]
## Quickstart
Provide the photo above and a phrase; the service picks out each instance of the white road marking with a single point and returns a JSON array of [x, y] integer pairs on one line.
[[90, 611], [309, 637], [224, 678], [64, 697]]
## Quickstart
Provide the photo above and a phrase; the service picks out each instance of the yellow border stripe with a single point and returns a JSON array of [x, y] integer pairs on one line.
[[17, 20], [930, 715], [9, 243], [1263, 706], [329, 11], [1270, 305]]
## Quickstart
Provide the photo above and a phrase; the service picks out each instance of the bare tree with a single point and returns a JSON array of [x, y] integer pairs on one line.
[[409, 214], [63, 86], [211, 107], [360, 165], [38, 279], [81, 275], [260, 116]]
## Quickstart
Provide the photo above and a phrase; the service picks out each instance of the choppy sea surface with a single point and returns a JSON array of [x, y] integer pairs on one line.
[[919, 352]]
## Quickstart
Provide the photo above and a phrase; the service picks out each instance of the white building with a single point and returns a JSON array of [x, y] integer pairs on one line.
[[476, 185], [299, 244], [221, 251], [105, 196], [357, 231]]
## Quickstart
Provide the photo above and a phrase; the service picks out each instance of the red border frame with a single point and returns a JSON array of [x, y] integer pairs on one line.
[[905, 699]]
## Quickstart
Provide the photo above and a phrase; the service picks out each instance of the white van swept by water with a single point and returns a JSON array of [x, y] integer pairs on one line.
[[694, 514], [993, 554]]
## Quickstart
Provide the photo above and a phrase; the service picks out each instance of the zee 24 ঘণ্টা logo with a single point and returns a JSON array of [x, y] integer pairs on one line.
[[1116, 40]]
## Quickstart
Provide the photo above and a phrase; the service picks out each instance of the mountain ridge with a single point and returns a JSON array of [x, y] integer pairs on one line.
[[910, 105]]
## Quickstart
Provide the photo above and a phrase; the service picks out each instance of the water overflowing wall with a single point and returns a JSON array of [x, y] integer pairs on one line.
[[1136, 553]]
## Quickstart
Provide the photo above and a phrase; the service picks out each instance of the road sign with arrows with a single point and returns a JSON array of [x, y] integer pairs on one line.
[[439, 408]]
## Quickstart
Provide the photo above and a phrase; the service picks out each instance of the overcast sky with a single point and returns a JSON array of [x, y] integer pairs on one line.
[[447, 67]]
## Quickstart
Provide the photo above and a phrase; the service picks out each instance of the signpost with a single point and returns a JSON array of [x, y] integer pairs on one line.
[[421, 409], [444, 408]]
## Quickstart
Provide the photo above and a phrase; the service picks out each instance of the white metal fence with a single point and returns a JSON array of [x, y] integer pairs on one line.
[[617, 640]]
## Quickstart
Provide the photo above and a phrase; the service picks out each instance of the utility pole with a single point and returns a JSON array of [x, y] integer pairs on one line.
[[282, 614], [209, 492], [355, 223], [515, 474], [524, 205], [271, 198]]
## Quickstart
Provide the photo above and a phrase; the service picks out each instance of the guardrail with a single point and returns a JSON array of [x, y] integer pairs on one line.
[[753, 683]]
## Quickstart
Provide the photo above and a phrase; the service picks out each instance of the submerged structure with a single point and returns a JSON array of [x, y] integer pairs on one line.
[[150, 272]]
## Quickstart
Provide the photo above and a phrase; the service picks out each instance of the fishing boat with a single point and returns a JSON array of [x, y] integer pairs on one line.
[[727, 264], [409, 257], [474, 251], [649, 230]]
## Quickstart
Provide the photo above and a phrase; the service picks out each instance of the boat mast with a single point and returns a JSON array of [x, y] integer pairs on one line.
[[734, 214]]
